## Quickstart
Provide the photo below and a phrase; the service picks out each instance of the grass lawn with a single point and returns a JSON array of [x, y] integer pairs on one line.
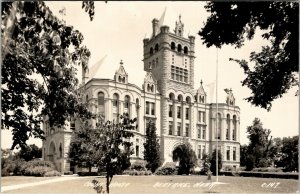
[[16, 180], [169, 184]]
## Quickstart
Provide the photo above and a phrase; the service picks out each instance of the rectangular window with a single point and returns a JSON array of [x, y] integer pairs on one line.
[[199, 131], [199, 152], [178, 112], [187, 128], [147, 108], [170, 111], [152, 109], [228, 153], [170, 128], [199, 116], [187, 113], [137, 150], [234, 153], [203, 117], [178, 129], [203, 151], [203, 132]]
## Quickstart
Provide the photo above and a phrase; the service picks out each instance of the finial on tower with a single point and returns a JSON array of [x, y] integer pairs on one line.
[[201, 82], [179, 17], [121, 62]]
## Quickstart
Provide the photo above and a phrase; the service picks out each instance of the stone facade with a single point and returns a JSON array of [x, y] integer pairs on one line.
[[167, 97]]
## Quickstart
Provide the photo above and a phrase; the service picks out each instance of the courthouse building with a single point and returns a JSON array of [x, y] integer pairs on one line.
[[169, 97]]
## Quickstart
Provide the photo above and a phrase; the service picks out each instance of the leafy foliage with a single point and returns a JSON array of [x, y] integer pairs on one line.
[[89, 7], [259, 146], [167, 169], [213, 162], [289, 154], [151, 151], [105, 145], [29, 152], [276, 65], [39, 53], [186, 157]]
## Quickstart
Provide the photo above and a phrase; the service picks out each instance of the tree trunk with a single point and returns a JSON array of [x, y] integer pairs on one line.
[[107, 184]]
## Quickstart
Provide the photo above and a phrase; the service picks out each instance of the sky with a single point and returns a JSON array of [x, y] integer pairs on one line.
[[118, 30]]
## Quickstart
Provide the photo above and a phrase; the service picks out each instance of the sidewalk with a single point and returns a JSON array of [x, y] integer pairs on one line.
[[58, 179]]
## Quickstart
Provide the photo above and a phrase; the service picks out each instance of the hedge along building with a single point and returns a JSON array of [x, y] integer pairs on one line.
[[167, 97]]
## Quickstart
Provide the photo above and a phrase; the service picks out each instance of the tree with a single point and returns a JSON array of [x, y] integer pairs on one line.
[[39, 53], [186, 157], [151, 151], [258, 150], [29, 152], [106, 145], [80, 152], [243, 154], [276, 65], [213, 162], [290, 153]]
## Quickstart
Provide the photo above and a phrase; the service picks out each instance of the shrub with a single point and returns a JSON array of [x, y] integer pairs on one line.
[[138, 173], [270, 175], [19, 167], [87, 173], [168, 169], [37, 171], [139, 165], [52, 173], [7, 167], [269, 169], [68, 173]]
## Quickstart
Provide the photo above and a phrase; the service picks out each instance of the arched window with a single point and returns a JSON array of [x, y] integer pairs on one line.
[[120, 79], [101, 104], [156, 48], [188, 99], [179, 48], [151, 51], [116, 107], [185, 50], [179, 98], [148, 87], [196, 98], [101, 98], [228, 127], [173, 45], [219, 126], [123, 80], [60, 150], [234, 128], [115, 100], [87, 98], [127, 101], [171, 96]]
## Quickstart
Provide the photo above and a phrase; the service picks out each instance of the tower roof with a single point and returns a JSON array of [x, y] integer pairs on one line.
[[201, 89], [121, 70], [168, 18]]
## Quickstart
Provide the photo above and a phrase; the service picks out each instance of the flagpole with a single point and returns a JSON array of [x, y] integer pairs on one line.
[[217, 149]]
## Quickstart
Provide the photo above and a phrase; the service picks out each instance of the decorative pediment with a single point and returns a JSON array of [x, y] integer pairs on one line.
[[150, 84]]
